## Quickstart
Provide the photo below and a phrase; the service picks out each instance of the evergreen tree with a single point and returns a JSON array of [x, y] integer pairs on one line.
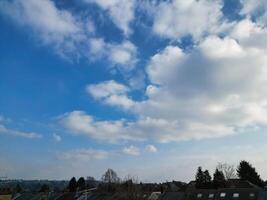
[[218, 179], [199, 178], [247, 172], [72, 184], [81, 183], [206, 179], [44, 188], [18, 189]]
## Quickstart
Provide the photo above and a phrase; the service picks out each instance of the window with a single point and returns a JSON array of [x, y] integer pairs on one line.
[[211, 196], [252, 195], [223, 194], [236, 195], [199, 195]]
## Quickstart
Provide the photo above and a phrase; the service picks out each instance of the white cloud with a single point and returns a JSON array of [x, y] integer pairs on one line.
[[70, 35], [212, 91], [123, 55], [248, 7], [131, 150], [112, 93], [178, 18], [53, 26], [250, 34], [151, 149], [107, 88], [120, 11], [97, 47], [217, 89], [79, 123], [7, 131], [256, 8], [56, 137]]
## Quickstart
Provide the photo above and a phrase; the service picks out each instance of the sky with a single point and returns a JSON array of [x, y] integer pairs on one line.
[[151, 88]]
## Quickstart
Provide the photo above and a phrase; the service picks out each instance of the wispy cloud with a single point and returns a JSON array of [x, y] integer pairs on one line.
[[131, 150], [151, 148], [57, 138], [121, 12], [70, 34], [30, 135]]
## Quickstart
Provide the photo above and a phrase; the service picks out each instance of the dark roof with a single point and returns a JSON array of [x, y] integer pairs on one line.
[[243, 194], [171, 196], [67, 196], [238, 183], [262, 195], [97, 196]]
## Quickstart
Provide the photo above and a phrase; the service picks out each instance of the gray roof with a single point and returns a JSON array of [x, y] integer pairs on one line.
[[171, 196]]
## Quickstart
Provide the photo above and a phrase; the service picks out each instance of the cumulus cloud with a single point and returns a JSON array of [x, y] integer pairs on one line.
[[178, 18], [111, 93], [7, 131], [215, 90], [78, 122], [120, 11]]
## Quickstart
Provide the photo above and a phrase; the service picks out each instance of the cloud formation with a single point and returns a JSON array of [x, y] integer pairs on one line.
[[52, 26], [111, 93], [217, 89], [178, 18], [71, 35], [120, 11]]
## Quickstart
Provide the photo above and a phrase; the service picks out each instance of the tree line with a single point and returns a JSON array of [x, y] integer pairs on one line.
[[223, 172]]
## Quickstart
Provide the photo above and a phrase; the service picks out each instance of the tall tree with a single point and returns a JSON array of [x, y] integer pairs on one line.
[[44, 188], [199, 178], [18, 189], [247, 172], [207, 178], [81, 183], [110, 176], [72, 184], [218, 179]]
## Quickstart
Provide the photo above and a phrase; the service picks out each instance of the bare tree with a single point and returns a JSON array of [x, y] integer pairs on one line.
[[131, 185], [133, 179], [110, 176], [228, 170]]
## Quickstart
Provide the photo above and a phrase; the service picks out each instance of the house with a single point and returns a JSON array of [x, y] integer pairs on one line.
[[234, 189]]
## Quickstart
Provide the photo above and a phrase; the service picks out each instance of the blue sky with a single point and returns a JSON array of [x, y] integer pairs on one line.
[[149, 88]]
